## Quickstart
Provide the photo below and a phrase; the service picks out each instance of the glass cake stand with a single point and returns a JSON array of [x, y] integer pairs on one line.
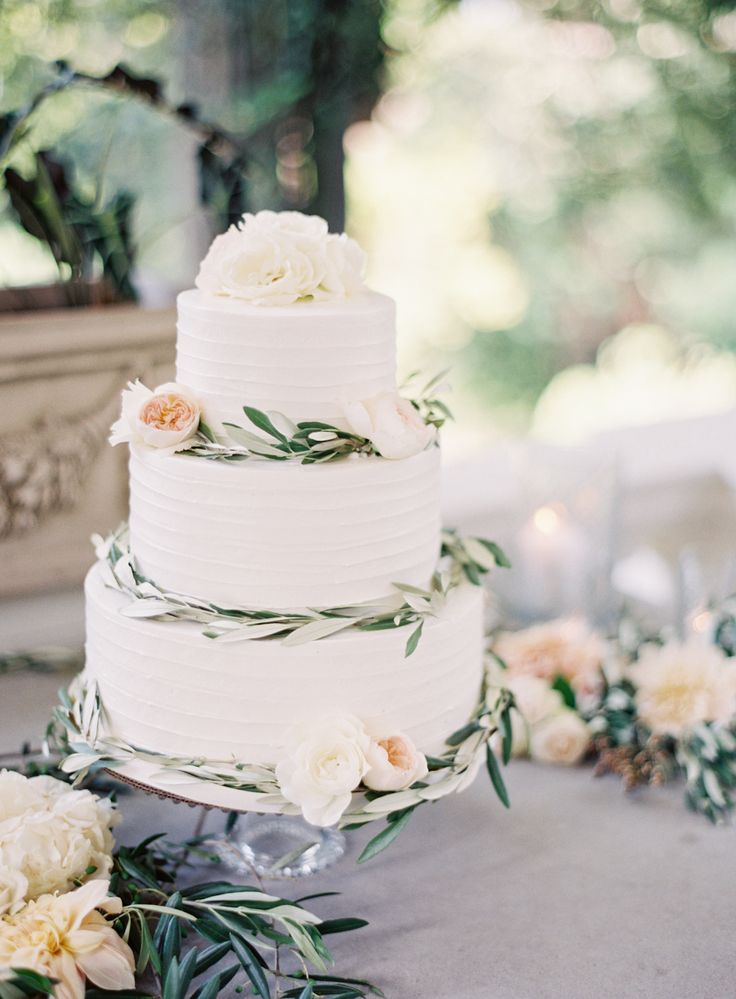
[[276, 846], [270, 845]]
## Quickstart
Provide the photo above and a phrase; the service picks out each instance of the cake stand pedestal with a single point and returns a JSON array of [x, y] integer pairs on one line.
[[276, 846], [261, 840]]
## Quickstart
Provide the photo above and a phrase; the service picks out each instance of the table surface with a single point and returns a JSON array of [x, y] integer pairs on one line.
[[579, 891]]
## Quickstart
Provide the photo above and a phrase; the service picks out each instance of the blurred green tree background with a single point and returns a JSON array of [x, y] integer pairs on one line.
[[547, 188]]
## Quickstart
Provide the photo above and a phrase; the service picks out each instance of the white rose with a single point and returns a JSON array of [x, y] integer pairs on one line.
[[51, 834], [165, 418], [394, 763], [391, 424], [278, 258], [561, 738], [345, 265], [324, 769]]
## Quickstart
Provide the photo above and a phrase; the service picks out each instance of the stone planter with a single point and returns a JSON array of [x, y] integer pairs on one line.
[[61, 373]]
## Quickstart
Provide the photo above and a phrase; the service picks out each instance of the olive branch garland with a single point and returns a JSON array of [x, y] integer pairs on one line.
[[309, 442], [460, 559], [81, 736]]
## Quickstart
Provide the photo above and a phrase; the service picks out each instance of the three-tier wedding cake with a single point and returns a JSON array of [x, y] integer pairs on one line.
[[284, 620]]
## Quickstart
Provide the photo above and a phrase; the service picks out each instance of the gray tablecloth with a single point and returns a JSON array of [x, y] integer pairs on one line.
[[578, 892]]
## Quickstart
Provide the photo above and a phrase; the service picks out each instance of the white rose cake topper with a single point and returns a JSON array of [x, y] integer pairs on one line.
[[279, 258]]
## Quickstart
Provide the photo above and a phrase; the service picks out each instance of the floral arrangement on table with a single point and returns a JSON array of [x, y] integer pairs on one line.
[[650, 708], [81, 919], [461, 560], [335, 773], [552, 669]]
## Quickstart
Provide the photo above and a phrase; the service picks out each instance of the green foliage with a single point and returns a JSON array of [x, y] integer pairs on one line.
[[81, 232], [299, 74], [614, 718], [42, 660], [179, 936], [458, 763], [395, 824], [78, 232], [708, 759], [563, 687], [23, 982]]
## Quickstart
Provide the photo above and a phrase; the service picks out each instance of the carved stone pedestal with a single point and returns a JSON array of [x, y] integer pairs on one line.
[[60, 379]]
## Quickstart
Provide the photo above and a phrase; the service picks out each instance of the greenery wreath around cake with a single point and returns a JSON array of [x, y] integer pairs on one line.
[[390, 778], [170, 419], [461, 560]]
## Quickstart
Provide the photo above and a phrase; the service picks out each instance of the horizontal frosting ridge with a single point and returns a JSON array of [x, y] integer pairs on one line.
[[305, 361]]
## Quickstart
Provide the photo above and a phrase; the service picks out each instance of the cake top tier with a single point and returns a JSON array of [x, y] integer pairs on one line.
[[305, 360], [279, 258]]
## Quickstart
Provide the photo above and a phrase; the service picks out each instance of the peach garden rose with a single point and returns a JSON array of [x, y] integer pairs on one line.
[[394, 763], [165, 418], [567, 647]]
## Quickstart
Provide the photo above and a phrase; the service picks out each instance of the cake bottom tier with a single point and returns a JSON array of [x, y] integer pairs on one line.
[[167, 688]]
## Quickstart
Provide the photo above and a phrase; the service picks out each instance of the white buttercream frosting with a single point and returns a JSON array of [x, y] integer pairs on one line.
[[273, 535], [167, 688], [305, 360], [278, 258]]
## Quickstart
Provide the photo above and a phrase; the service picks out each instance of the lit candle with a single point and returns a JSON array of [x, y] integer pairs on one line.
[[699, 624], [554, 562]]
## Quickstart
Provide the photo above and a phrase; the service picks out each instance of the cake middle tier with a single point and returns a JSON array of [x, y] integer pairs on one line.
[[166, 688], [278, 536]]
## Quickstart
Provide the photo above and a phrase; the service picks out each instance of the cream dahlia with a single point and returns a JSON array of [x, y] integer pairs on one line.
[[679, 685], [67, 938], [278, 258]]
